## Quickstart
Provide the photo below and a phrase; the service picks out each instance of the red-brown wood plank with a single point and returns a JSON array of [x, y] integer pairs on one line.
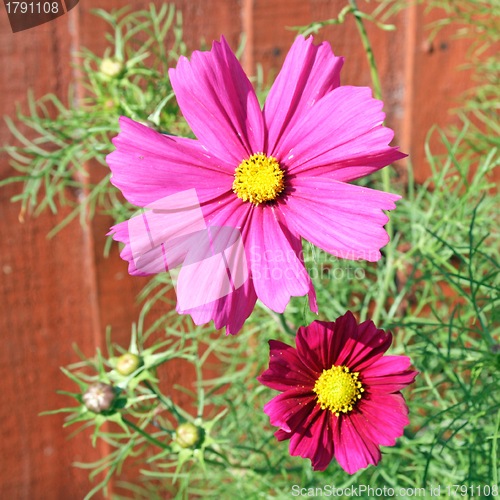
[[436, 81], [44, 297]]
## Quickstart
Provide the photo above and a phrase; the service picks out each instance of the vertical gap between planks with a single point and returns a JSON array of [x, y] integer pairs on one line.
[[409, 76], [82, 177], [248, 27], [89, 264]]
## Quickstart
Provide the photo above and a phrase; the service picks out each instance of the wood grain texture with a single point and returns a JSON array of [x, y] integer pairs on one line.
[[437, 82], [43, 295]]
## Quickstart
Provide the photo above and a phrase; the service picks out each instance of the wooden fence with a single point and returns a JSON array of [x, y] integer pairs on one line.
[[59, 291]]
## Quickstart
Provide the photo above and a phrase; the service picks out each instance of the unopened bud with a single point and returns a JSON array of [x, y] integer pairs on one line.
[[127, 363], [109, 104], [495, 348], [111, 67], [99, 397], [187, 435]]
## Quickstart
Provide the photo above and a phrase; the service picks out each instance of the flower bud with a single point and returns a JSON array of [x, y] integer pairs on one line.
[[109, 104], [187, 435], [111, 67], [99, 397], [127, 363], [495, 348]]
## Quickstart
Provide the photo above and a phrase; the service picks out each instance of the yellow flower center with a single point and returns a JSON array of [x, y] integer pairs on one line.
[[338, 389], [258, 179]]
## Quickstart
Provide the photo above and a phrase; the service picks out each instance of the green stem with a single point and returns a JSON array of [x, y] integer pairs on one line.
[[143, 433], [199, 380], [285, 325], [377, 89], [494, 458], [166, 401], [386, 178]]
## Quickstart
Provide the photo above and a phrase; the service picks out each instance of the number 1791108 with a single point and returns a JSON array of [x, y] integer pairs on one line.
[[32, 8]]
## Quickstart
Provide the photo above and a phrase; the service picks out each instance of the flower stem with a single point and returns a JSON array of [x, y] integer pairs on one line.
[[377, 89], [143, 433], [494, 448], [386, 178], [166, 401], [285, 325]]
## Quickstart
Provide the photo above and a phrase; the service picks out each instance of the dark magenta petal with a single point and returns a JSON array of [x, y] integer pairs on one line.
[[377, 418], [366, 427], [351, 450], [366, 346], [388, 374], [286, 405], [320, 343], [286, 369], [314, 346], [282, 435], [313, 438], [388, 383], [387, 365], [387, 412]]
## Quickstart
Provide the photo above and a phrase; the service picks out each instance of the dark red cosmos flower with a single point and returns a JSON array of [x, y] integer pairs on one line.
[[340, 395]]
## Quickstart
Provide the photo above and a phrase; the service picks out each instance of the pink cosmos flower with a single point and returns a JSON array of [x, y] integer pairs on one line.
[[340, 396], [277, 175]]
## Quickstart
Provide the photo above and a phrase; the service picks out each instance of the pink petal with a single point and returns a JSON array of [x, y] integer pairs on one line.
[[342, 219], [389, 383], [170, 232], [204, 280], [120, 233], [352, 450], [287, 405], [296, 243], [277, 271], [316, 346], [308, 74], [148, 166], [282, 435], [341, 135], [387, 365], [286, 370], [365, 346], [230, 311], [389, 374], [387, 412], [313, 438], [219, 103], [359, 157], [233, 309], [370, 431]]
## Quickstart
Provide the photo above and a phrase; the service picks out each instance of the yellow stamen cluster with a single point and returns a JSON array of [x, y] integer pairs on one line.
[[258, 179], [338, 389]]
